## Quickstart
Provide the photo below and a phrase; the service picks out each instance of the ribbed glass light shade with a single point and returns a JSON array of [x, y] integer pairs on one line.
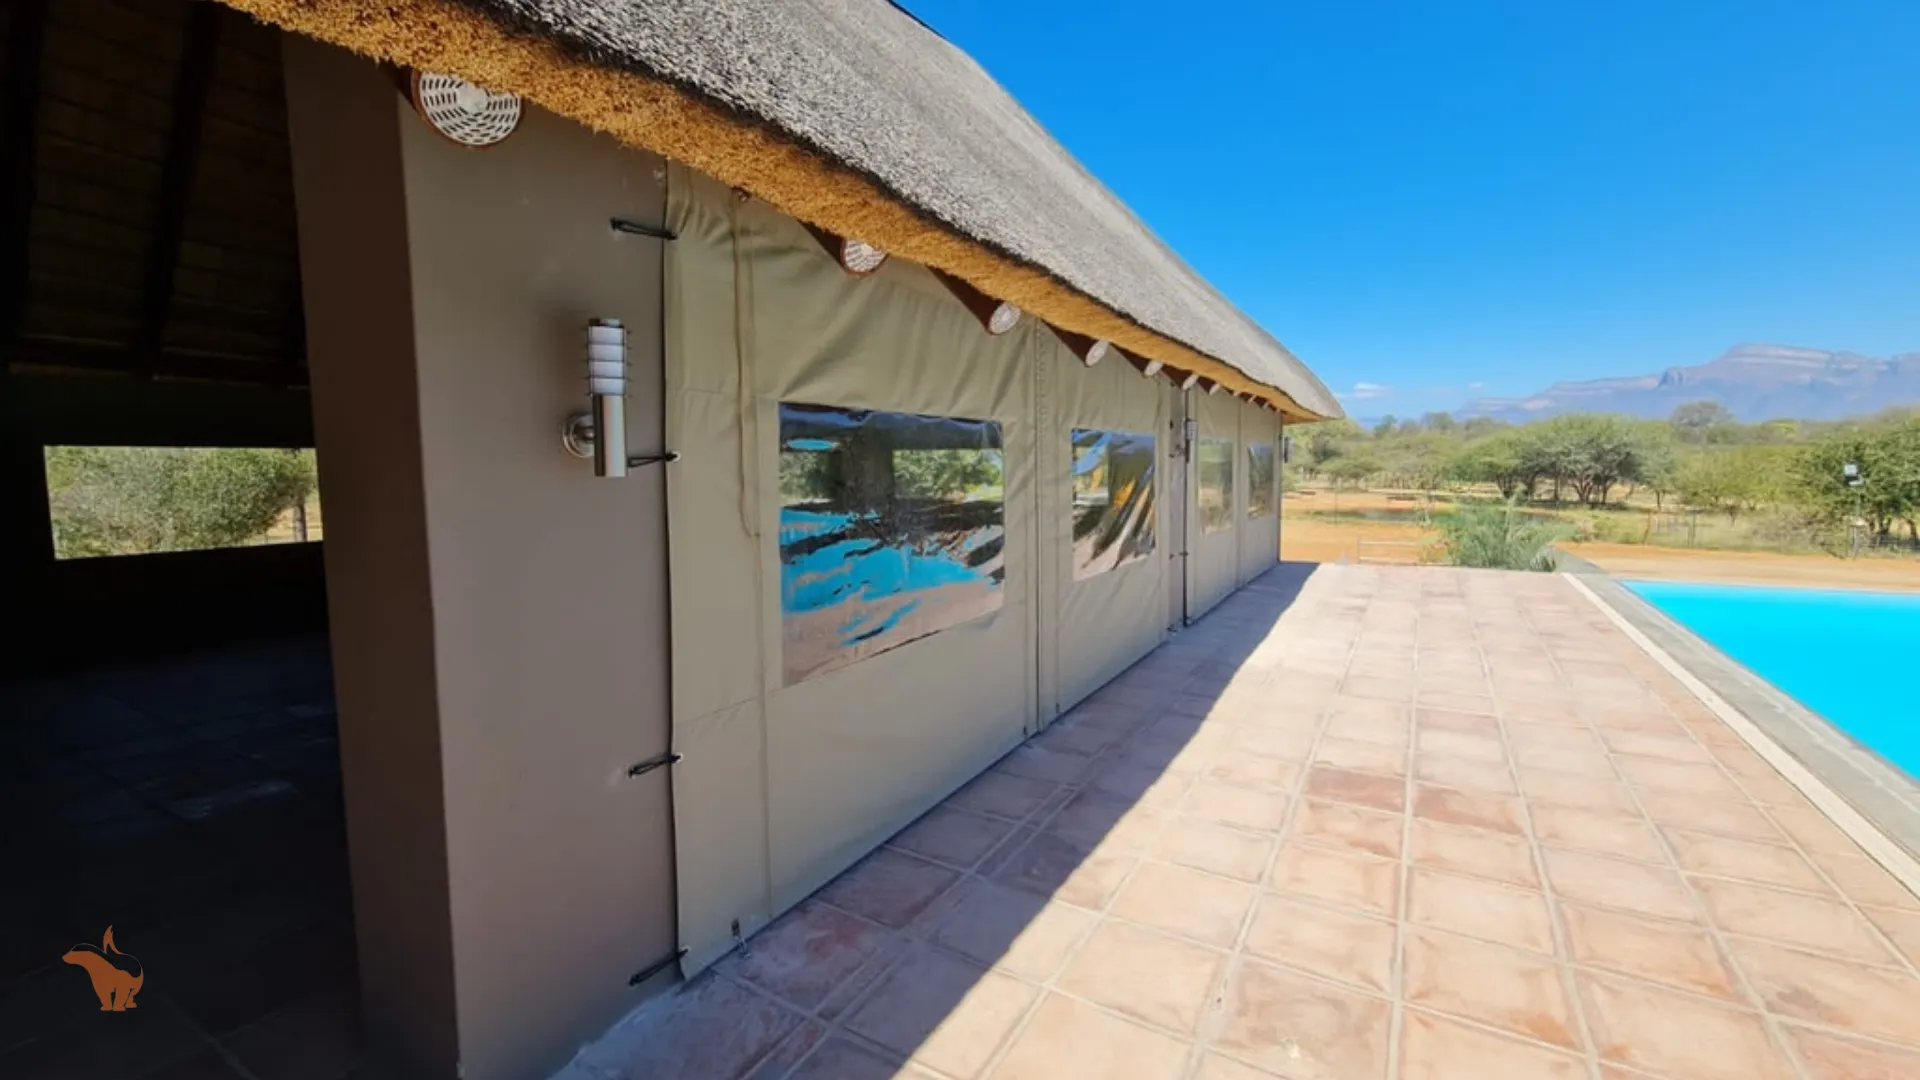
[[606, 357], [860, 257]]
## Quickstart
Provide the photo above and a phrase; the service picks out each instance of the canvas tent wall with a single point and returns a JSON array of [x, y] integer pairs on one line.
[[790, 775]]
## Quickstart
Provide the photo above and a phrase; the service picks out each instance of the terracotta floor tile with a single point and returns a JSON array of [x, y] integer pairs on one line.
[[1901, 927], [1589, 830], [1483, 748], [1474, 852], [1674, 1035], [1357, 828], [1581, 762], [1346, 946], [839, 1059], [1200, 906], [943, 1013], [1491, 985], [1838, 993], [1360, 789], [1466, 723], [955, 837], [1745, 860], [1830, 1057], [1069, 1038], [1443, 699], [1217, 1067], [1526, 735], [1474, 809], [776, 1065], [1145, 974], [1338, 877], [1679, 956], [1049, 866], [1297, 1027], [1094, 820], [1737, 818], [1866, 881], [1614, 883], [1381, 758], [1551, 787], [1228, 805], [1291, 744], [1774, 791], [1216, 848], [1486, 910], [1813, 922], [1384, 730], [1255, 771], [889, 887], [1639, 744], [1684, 777], [711, 1028], [1036, 764], [1141, 784], [1435, 1048], [1814, 830], [1013, 930], [1466, 774], [806, 953]]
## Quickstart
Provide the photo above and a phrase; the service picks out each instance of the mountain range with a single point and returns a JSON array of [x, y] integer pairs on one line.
[[1754, 382]]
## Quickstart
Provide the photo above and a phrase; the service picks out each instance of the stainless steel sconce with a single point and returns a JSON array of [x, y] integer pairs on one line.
[[601, 432]]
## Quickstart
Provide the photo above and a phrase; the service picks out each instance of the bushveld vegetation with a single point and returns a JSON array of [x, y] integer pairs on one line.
[[1699, 478]]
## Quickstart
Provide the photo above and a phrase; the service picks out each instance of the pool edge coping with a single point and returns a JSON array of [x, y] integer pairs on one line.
[[1786, 734]]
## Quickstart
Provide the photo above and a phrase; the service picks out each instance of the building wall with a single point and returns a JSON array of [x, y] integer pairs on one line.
[[499, 614], [1214, 563], [1259, 537]]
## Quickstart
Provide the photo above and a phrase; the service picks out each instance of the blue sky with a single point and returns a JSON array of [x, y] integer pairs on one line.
[[1443, 200]]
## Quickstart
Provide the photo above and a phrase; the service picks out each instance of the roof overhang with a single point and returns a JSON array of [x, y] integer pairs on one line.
[[740, 150]]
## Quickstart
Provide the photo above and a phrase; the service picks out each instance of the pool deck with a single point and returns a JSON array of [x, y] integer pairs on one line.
[[1360, 822]]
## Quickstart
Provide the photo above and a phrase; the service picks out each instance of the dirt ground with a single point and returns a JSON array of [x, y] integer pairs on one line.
[[1305, 539]]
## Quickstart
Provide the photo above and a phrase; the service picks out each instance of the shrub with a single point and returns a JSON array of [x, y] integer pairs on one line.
[[1499, 537]]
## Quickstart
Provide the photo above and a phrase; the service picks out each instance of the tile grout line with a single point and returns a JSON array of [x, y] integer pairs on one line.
[[1776, 1035], [1840, 812]]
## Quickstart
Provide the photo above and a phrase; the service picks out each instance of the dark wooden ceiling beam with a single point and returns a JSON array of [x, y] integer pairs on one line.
[[19, 128], [87, 357], [200, 43]]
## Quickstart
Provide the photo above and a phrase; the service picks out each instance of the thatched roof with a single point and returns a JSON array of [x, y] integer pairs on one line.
[[853, 116]]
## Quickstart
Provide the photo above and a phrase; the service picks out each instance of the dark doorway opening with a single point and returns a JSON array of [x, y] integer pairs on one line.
[[169, 761]]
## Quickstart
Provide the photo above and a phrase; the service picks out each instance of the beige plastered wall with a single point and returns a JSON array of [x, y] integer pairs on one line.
[[498, 613], [782, 787]]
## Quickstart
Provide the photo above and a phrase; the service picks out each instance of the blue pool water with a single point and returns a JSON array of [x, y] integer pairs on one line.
[[1852, 657]]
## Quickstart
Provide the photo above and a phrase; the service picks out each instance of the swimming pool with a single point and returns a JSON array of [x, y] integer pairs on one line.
[[1852, 657]]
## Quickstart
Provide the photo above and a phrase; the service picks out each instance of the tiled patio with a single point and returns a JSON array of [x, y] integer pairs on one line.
[[1420, 824]]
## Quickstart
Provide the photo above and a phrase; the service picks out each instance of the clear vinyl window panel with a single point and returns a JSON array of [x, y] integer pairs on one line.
[[892, 529], [1113, 521], [1260, 460], [143, 500], [1213, 460]]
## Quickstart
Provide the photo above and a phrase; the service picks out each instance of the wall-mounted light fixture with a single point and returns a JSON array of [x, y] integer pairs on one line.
[[998, 316], [601, 432], [856, 257], [1090, 350]]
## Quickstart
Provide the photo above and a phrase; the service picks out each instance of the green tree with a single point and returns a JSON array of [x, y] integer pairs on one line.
[[1702, 422], [1352, 469], [1438, 421], [1731, 481], [1888, 495], [123, 500], [1387, 426]]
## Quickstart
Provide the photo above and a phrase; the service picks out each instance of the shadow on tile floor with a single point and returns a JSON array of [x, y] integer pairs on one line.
[[926, 952], [193, 804]]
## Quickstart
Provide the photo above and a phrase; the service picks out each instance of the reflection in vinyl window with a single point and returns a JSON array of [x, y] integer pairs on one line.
[[1259, 479], [1214, 458], [1112, 500], [892, 528]]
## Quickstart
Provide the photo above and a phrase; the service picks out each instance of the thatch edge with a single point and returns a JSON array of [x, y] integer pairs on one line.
[[652, 114]]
